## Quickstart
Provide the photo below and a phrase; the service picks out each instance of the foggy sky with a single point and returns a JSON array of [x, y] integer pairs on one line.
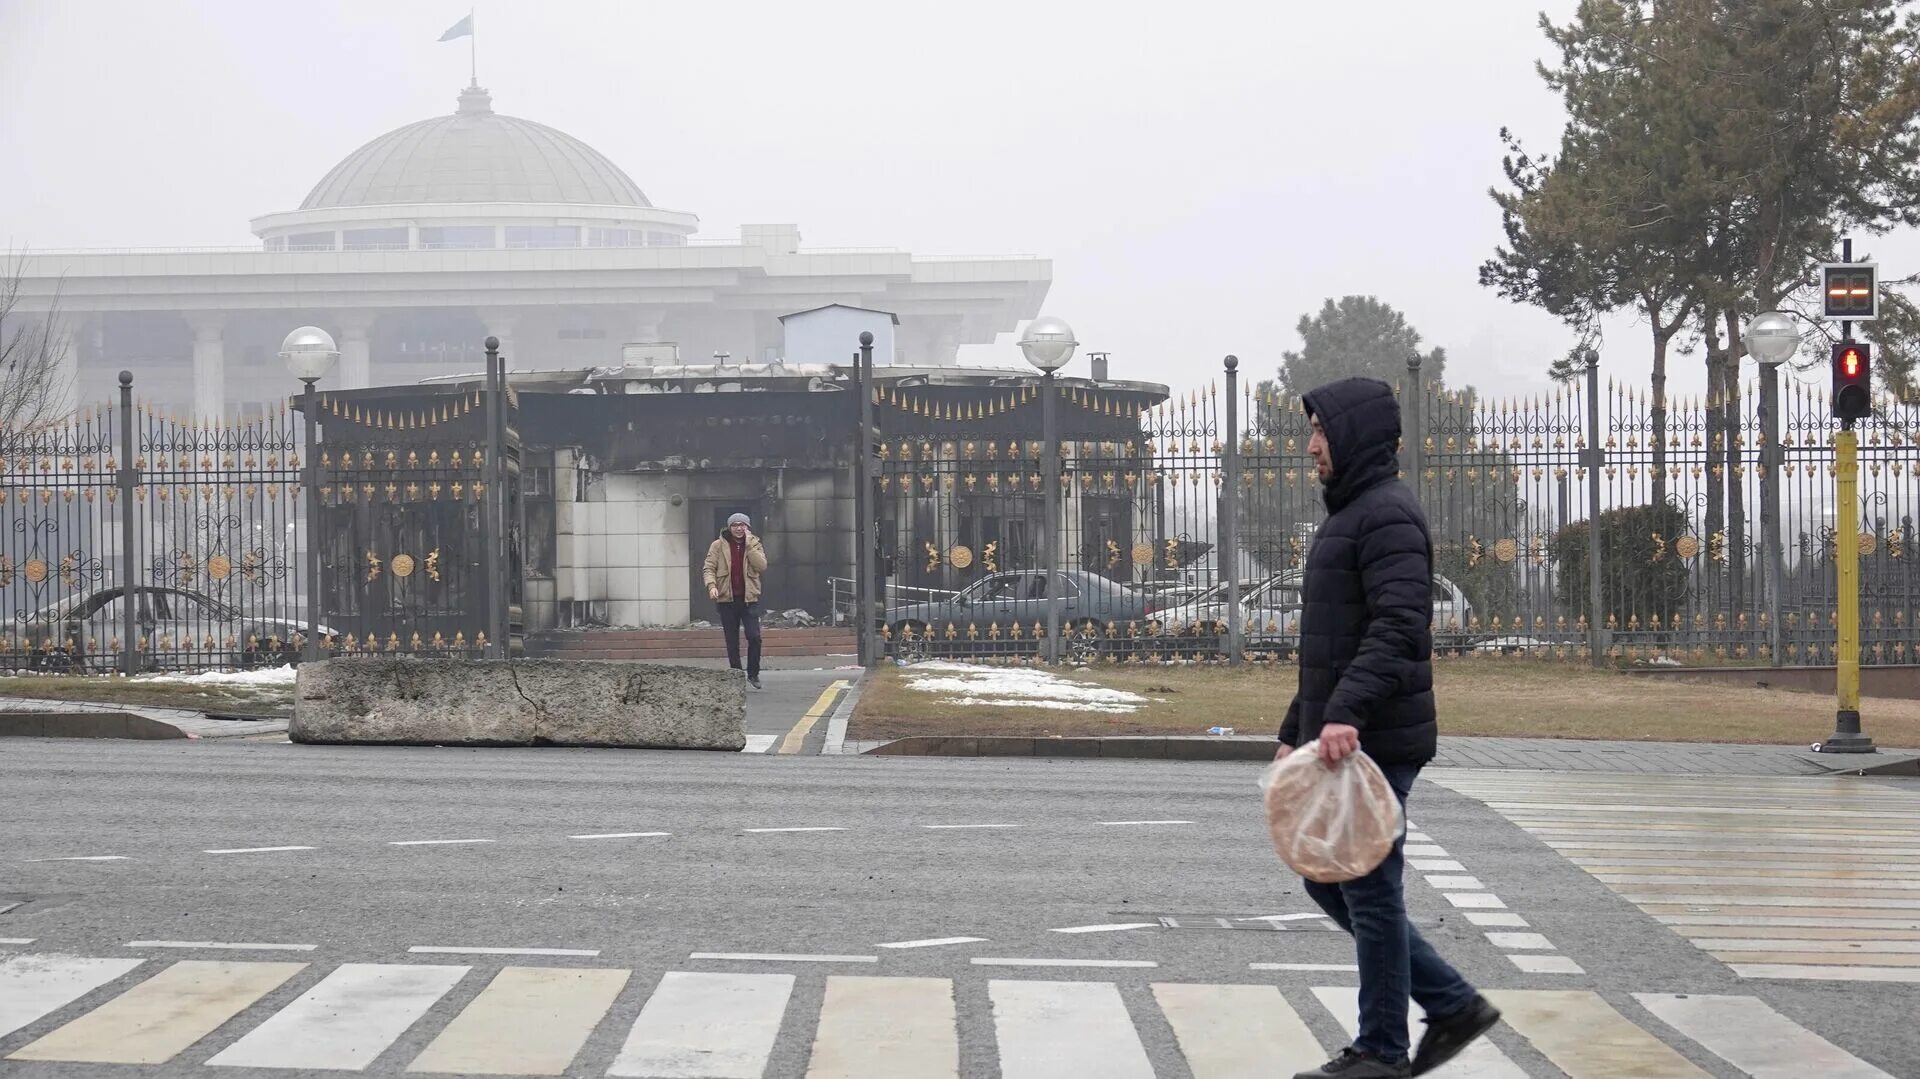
[[1201, 174]]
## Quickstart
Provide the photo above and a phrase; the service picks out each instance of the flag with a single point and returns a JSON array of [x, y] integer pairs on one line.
[[463, 28]]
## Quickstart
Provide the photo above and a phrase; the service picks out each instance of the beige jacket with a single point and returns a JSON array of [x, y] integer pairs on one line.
[[718, 573]]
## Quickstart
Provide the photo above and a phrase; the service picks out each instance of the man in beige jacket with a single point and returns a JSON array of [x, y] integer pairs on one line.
[[734, 566]]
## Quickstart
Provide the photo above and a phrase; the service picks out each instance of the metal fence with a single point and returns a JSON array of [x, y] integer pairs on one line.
[[1716, 543], [132, 540]]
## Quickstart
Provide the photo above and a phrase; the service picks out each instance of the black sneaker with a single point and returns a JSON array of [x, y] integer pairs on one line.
[[1446, 1036], [754, 682], [1352, 1063]]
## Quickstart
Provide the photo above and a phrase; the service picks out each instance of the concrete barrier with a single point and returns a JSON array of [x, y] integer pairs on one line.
[[531, 702]]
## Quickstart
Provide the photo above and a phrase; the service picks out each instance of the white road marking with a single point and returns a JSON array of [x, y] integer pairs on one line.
[[1234, 1031], [1485, 918], [16, 940], [1113, 927], [950, 827], [1475, 900], [782, 957], [706, 1026], [1546, 964], [793, 829], [932, 942], [161, 1017], [1479, 1060], [621, 835], [901, 1028], [435, 950], [1117, 964], [85, 858], [760, 743], [1520, 941], [1323, 967], [346, 1021], [1789, 923], [1436, 865], [253, 850], [1424, 850], [434, 842], [1120, 822], [527, 1021], [35, 986], [1465, 884], [1050, 1029], [1418, 837], [1307, 916], [217, 945], [1583, 1035], [1798, 972], [1770, 901], [1748, 1034]]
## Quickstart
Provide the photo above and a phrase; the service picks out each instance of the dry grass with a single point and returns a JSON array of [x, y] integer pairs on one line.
[[1504, 697], [109, 689]]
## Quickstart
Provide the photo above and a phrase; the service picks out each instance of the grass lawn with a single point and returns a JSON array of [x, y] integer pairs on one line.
[[274, 699], [1492, 696]]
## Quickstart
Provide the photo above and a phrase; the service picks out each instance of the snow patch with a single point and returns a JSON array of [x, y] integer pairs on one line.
[[1017, 687], [262, 677]]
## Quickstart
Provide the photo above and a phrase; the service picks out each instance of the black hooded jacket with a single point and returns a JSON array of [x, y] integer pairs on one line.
[[1366, 636]]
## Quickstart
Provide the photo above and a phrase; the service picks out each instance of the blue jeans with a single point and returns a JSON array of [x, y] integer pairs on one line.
[[1395, 963]]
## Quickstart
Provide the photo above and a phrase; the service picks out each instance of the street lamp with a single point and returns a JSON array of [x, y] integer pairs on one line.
[[1772, 338], [1048, 344], [309, 354]]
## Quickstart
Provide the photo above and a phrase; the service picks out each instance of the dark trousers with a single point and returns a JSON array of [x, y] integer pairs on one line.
[[1395, 962], [734, 616]]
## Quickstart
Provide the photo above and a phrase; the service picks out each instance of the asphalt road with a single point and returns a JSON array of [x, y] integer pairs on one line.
[[414, 847]]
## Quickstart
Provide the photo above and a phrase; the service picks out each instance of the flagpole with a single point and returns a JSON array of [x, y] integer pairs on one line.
[[473, 50]]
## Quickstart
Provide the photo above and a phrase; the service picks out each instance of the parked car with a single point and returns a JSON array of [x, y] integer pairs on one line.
[[1273, 608], [176, 622], [1088, 603]]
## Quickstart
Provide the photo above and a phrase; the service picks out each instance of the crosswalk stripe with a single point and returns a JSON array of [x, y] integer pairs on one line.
[[1586, 1038], [527, 1021], [35, 986], [1236, 1031], [346, 1021], [706, 1026], [902, 1028], [1480, 1060], [159, 1018], [1050, 1029], [1807, 972], [1750, 1035]]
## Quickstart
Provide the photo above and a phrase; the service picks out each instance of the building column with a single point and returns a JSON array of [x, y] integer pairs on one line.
[[209, 365], [646, 325], [356, 350], [63, 349]]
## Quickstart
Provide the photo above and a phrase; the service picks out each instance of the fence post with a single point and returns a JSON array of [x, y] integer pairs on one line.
[[1230, 516], [490, 538], [865, 508], [126, 478], [1414, 409], [1771, 458], [1595, 458]]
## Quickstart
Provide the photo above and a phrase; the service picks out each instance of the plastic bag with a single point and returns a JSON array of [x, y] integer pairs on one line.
[[1330, 823]]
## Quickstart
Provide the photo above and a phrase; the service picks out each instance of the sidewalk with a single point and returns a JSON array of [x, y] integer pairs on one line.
[[1537, 754], [35, 718]]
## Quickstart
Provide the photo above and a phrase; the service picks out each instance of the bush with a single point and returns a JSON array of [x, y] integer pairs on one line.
[[1641, 573]]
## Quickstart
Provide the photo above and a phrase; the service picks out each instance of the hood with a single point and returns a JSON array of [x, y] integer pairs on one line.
[[1362, 422]]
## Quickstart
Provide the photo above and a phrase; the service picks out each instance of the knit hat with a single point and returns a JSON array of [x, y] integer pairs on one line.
[[739, 519]]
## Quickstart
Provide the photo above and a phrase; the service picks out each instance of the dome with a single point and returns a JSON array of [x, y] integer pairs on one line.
[[475, 155]]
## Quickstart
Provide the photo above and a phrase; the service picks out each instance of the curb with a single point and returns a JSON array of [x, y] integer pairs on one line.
[[836, 743], [26, 717], [1193, 748]]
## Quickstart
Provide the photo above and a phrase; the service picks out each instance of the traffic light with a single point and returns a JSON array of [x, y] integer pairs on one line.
[[1852, 380], [1849, 290]]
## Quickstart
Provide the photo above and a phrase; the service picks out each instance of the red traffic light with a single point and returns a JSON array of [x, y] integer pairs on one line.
[[1852, 380]]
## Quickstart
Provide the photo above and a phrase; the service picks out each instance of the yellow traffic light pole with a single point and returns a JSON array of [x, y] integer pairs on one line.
[[1846, 736]]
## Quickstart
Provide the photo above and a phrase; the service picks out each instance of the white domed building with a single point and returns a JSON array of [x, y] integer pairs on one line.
[[421, 243]]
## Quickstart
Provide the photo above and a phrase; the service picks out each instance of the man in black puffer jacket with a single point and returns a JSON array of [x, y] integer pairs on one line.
[[1366, 682]]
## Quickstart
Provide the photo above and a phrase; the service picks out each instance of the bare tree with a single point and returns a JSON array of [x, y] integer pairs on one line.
[[34, 380]]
